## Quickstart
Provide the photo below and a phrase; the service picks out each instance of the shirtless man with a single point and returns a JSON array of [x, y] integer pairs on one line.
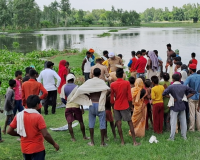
[[169, 51]]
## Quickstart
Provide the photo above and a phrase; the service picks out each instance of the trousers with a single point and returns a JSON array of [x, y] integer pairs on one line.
[[158, 113], [52, 97], [173, 122], [35, 156]]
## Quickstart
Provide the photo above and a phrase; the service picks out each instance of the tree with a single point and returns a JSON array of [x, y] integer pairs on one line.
[[65, 7], [80, 15], [5, 17]]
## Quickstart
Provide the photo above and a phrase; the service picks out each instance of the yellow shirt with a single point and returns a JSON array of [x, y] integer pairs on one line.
[[105, 63], [156, 94]]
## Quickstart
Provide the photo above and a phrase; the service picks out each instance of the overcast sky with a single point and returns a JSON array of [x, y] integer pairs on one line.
[[138, 5]]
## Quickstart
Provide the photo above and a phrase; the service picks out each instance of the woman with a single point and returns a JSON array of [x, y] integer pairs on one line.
[[184, 72], [62, 72], [140, 110]]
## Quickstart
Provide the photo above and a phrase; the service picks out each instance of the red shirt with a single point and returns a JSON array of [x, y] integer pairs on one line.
[[140, 65], [34, 141], [120, 94], [134, 60], [32, 87], [194, 61]]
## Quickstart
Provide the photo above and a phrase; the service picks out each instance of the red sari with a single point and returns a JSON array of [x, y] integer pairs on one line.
[[62, 72]]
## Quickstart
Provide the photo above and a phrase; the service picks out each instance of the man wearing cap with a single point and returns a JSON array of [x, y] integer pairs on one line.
[[193, 81], [104, 71], [92, 57], [113, 61], [48, 76], [73, 111]]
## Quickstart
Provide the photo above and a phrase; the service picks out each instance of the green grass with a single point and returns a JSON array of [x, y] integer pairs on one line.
[[113, 30], [171, 24], [79, 150], [104, 34]]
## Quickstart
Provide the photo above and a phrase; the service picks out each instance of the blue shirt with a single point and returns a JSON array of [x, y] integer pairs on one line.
[[177, 91], [193, 81], [159, 67], [93, 58], [69, 88], [130, 63]]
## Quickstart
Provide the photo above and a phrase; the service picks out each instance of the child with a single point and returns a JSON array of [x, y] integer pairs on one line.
[[9, 103], [18, 93], [194, 61], [165, 84], [158, 106], [147, 99], [109, 117], [132, 81], [178, 66]]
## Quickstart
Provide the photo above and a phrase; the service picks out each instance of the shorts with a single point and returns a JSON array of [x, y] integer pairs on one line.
[[109, 116], [93, 112], [72, 114], [122, 114], [8, 113]]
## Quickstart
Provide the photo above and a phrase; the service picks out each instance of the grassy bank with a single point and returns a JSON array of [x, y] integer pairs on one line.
[[172, 24]]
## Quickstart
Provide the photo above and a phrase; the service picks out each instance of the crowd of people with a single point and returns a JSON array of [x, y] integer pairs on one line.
[[167, 95]]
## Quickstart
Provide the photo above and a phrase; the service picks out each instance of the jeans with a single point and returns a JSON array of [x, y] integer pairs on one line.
[[18, 106], [52, 97], [35, 156], [140, 75], [87, 76]]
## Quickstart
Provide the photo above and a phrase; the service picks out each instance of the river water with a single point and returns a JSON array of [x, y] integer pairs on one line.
[[187, 40]]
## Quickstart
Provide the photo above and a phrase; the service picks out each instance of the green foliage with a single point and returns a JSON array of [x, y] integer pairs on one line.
[[104, 34], [45, 24], [85, 24], [2, 35], [39, 35], [15, 45], [113, 30]]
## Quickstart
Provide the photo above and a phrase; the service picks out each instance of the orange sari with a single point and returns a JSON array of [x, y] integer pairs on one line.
[[140, 109]]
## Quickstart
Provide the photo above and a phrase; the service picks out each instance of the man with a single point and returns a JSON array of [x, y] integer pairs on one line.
[[105, 58], [86, 66], [140, 65], [104, 71], [193, 81], [92, 59], [32, 87], [169, 51], [178, 91], [96, 89], [132, 63], [170, 69], [160, 63], [48, 76], [27, 77], [194, 61], [113, 61], [32, 129], [121, 98], [73, 111], [178, 67], [113, 77], [152, 65], [144, 52]]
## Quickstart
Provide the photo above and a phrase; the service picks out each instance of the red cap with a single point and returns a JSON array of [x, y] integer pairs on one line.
[[193, 66]]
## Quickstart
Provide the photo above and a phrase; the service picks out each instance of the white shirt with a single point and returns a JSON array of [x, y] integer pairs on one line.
[[87, 66], [48, 76]]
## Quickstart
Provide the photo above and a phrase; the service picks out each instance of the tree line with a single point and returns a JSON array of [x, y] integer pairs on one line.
[[185, 13], [26, 14]]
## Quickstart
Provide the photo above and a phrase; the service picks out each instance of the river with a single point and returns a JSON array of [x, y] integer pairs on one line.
[[187, 40]]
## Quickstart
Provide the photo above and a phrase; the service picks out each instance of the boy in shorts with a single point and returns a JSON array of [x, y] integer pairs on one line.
[[9, 103]]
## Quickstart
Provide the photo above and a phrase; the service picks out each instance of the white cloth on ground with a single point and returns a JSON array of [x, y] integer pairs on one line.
[[20, 121], [171, 99], [90, 86]]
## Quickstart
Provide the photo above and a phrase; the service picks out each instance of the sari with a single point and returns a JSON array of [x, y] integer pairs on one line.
[[62, 72], [140, 109]]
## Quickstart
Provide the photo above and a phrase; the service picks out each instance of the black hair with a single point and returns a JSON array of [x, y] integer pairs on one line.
[[0, 82], [105, 52], [173, 55], [17, 73], [97, 72], [50, 64], [155, 79], [198, 72], [32, 72], [88, 52], [142, 93], [176, 77], [193, 70], [166, 77], [143, 50], [143, 78], [119, 73], [155, 51], [120, 55], [179, 63], [71, 80], [12, 83], [133, 53], [28, 69], [32, 101], [147, 83], [131, 80], [169, 45], [67, 63], [177, 59], [138, 52], [193, 55], [98, 60]]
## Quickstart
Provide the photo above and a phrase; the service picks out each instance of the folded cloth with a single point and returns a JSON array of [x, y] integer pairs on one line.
[[153, 139], [79, 95], [154, 60], [20, 121], [171, 99]]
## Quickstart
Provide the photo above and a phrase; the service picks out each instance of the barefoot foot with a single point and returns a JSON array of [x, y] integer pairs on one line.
[[136, 144], [1, 141], [104, 145], [86, 138], [91, 144], [73, 140], [4, 132]]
